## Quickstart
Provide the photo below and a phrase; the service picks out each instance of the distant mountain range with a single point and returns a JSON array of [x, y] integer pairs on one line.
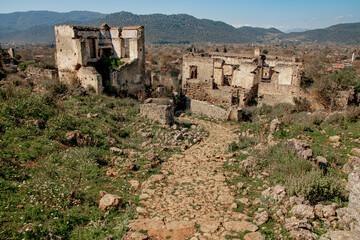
[[38, 27], [296, 30]]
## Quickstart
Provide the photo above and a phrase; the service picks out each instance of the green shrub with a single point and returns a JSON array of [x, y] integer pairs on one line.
[[302, 105], [283, 163], [2, 74], [57, 88], [281, 109], [352, 114], [249, 114], [315, 187], [335, 118], [317, 119], [244, 143], [265, 109], [23, 65]]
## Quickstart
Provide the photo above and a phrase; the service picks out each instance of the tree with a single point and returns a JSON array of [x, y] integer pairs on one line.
[[324, 84]]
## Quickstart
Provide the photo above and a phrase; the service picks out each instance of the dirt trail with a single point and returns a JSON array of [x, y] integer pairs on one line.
[[191, 199]]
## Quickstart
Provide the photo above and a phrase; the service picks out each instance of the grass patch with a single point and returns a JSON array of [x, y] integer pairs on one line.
[[49, 185]]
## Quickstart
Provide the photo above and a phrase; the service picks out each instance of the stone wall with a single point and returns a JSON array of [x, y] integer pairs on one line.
[[244, 76], [270, 93], [158, 109], [203, 108], [203, 64], [195, 89], [90, 78], [129, 77], [345, 97], [41, 72]]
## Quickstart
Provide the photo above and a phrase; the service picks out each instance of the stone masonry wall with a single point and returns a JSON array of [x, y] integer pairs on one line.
[[40, 72], [161, 110], [204, 108], [271, 94], [89, 77]]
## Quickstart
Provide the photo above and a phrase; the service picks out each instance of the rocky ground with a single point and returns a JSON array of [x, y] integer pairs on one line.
[[201, 194], [191, 198]]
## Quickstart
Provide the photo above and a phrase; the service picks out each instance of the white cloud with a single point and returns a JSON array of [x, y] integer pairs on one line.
[[350, 16], [338, 18], [313, 19], [241, 25]]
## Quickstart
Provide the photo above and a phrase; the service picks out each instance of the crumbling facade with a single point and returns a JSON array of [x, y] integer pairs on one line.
[[234, 80], [78, 48]]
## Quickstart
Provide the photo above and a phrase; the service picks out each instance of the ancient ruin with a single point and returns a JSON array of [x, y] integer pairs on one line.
[[227, 79], [79, 48], [158, 109]]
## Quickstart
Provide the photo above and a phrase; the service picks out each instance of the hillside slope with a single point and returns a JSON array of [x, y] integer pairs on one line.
[[18, 21], [160, 28], [37, 26], [347, 33]]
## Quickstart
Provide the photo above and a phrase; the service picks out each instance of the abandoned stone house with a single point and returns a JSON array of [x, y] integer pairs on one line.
[[78, 48], [234, 80]]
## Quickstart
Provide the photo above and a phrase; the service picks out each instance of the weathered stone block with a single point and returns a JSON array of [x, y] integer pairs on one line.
[[158, 109]]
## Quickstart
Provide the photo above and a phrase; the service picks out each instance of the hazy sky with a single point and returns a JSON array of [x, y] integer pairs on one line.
[[282, 14]]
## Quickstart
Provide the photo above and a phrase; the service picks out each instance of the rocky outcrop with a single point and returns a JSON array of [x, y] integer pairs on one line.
[[349, 217]]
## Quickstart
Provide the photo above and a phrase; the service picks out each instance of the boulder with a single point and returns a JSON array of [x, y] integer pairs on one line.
[[147, 134], [135, 184], [329, 211], [303, 211], [240, 226], [356, 151], [261, 218], [116, 150], [178, 136], [209, 226], [134, 235], [154, 179], [128, 165], [253, 236], [299, 229], [249, 163], [354, 197], [319, 210], [141, 210], [277, 193], [296, 200], [151, 156], [305, 154], [301, 148], [334, 138], [341, 235], [274, 125], [158, 229], [109, 201], [349, 167]]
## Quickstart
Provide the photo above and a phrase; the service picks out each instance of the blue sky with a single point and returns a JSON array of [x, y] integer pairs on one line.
[[282, 14]]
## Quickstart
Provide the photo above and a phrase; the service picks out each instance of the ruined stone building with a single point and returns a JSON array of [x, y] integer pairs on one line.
[[234, 80], [78, 48]]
